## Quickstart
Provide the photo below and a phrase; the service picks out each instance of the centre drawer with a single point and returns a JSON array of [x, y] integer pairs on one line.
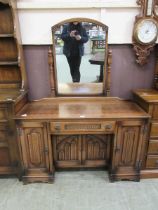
[[155, 112], [154, 130], [153, 147], [152, 162], [79, 127], [3, 132], [3, 113]]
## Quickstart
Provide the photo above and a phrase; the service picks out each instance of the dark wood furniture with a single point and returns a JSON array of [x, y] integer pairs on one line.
[[80, 132], [98, 59], [13, 94], [148, 100], [97, 44], [63, 133]]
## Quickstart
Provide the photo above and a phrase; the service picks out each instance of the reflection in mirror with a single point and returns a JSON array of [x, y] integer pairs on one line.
[[80, 49]]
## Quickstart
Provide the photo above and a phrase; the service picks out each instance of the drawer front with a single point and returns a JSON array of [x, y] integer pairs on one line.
[[4, 149], [3, 133], [152, 161], [79, 127], [153, 147], [155, 112], [154, 130], [4, 157], [3, 113]]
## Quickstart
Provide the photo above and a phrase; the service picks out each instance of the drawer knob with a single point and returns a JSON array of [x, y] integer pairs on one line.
[[57, 127], [108, 126]]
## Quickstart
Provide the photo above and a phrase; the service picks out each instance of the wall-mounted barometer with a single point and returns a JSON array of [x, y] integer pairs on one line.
[[145, 30]]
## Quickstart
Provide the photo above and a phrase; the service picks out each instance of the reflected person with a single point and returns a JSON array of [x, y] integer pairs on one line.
[[74, 37]]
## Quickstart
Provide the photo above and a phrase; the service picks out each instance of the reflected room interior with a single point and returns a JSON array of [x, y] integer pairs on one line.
[[93, 61]]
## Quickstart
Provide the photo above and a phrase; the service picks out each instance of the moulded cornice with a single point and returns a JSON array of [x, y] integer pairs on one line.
[[68, 4]]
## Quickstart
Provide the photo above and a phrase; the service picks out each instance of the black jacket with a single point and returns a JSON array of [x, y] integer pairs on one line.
[[70, 43]]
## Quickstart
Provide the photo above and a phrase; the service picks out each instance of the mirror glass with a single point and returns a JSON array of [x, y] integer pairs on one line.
[[80, 54]]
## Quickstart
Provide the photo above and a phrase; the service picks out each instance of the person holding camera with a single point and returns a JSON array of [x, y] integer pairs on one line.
[[74, 37]]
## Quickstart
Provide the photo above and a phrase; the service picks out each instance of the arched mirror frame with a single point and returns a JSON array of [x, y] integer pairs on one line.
[[52, 61]]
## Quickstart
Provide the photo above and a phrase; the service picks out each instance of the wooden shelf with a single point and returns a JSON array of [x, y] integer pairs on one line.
[[13, 93], [6, 35], [8, 63], [10, 82]]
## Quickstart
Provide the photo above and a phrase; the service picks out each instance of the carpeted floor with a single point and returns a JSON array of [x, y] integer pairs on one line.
[[82, 190]]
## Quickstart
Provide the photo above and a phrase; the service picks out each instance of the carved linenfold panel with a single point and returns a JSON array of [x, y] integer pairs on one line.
[[82, 126], [128, 143], [35, 147], [67, 147], [129, 146], [34, 144], [95, 147], [81, 150]]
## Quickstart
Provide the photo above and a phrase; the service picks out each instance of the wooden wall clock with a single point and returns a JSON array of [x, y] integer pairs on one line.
[[145, 30]]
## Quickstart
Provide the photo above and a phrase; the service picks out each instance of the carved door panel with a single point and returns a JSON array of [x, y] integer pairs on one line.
[[35, 150], [95, 150], [8, 150], [127, 153], [81, 150], [5, 160], [67, 150]]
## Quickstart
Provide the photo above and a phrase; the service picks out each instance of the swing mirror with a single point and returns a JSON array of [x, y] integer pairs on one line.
[[80, 53]]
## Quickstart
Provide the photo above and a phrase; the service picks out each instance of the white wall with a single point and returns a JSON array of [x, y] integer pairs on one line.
[[37, 16]]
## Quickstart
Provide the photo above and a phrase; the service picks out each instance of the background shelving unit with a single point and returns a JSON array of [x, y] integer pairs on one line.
[[13, 85]]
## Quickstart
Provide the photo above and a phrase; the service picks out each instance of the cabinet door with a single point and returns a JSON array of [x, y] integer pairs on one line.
[[127, 152], [35, 151], [67, 150], [8, 151], [95, 150], [5, 160]]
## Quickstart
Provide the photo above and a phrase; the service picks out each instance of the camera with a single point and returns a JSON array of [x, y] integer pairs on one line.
[[76, 33]]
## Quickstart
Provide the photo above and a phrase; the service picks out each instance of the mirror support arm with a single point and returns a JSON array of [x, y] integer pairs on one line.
[[108, 82], [51, 71]]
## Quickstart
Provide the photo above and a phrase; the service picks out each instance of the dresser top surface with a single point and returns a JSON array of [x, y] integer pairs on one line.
[[81, 108], [148, 95]]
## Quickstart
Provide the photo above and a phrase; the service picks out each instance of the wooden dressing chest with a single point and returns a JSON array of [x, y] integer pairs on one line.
[[66, 133], [148, 100]]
